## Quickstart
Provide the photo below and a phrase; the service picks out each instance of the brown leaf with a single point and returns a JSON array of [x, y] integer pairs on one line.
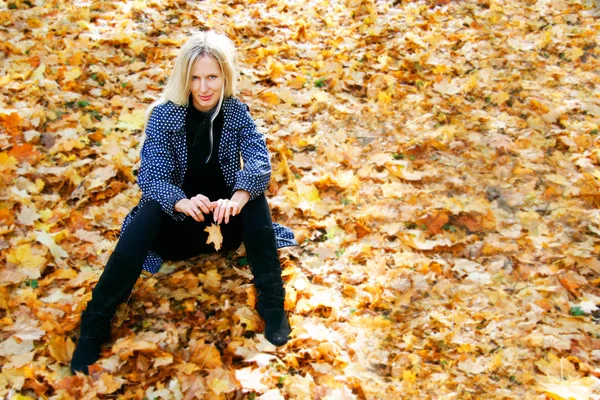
[[206, 356], [214, 236], [435, 222]]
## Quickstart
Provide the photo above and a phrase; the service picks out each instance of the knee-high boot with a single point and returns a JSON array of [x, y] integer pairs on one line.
[[113, 288], [116, 283], [262, 255]]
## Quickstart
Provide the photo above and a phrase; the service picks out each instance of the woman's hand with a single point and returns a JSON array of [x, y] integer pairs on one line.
[[195, 207], [223, 209]]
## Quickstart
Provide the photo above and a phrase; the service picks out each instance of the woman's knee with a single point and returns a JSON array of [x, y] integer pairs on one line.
[[152, 206], [256, 214]]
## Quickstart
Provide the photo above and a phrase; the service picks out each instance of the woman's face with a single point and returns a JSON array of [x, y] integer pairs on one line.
[[207, 81]]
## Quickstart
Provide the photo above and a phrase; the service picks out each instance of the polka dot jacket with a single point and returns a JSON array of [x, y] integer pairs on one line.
[[164, 162]]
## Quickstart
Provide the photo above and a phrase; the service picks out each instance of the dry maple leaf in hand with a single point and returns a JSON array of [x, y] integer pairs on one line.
[[214, 236]]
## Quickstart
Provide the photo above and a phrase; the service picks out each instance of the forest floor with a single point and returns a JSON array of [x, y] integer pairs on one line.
[[437, 160]]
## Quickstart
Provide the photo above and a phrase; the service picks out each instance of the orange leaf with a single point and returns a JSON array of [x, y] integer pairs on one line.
[[7, 217], [24, 152], [570, 285], [11, 121], [270, 98]]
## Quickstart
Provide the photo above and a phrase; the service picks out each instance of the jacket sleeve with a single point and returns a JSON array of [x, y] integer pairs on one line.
[[256, 172], [158, 166]]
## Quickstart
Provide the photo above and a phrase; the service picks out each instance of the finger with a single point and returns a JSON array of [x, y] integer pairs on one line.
[[222, 210], [226, 211], [197, 215], [202, 206], [217, 213], [230, 212], [216, 210], [202, 202], [227, 214]]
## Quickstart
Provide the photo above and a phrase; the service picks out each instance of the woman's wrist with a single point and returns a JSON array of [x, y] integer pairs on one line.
[[241, 197], [179, 205]]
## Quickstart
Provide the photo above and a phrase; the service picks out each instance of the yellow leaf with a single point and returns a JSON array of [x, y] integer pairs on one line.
[[500, 97], [73, 74], [297, 82], [214, 236], [7, 162], [138, 46], [131, 120], [247, 317], [23, 257], [307, 193], [408, 376], [574, 53], [212, 278], [45, 214], [167, 41], [21, 397], [384, 98], [34, 23], [86, 121], [38, 73], [275, 68], [61, 349]]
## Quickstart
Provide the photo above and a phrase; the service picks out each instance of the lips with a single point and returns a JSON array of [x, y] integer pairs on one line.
[[205, 98]]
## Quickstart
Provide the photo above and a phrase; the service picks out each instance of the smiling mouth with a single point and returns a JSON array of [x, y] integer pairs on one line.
[[205, 97]]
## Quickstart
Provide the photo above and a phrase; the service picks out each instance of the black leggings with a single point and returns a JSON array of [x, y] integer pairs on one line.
[[152, 229]]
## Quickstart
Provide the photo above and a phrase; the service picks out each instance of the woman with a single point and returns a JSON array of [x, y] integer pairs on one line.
[[190, 176]]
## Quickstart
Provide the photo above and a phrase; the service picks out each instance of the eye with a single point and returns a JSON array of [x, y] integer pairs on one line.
[[194, 78], [213, 77]]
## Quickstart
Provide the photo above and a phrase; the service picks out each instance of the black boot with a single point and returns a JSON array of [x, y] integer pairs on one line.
[[262, 255], [113, 288], [95, 330]]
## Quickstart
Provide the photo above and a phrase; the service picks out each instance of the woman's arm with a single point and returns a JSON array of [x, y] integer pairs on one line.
[[256, 173], [157, 167]]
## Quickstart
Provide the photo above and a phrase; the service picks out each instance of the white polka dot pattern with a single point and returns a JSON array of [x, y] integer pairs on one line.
[[164, 162]]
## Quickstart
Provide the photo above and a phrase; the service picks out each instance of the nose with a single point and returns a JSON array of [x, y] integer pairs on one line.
[[203, 86]]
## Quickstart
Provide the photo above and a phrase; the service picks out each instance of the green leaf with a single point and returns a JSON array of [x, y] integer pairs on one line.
[[320, 83], [577, 311], [34, 283], [243, 261]]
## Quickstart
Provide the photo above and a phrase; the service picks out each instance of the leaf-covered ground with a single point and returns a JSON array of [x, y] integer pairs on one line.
[[438, 161]]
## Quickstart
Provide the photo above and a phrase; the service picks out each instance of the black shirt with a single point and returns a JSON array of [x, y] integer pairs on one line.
[[203, 174]]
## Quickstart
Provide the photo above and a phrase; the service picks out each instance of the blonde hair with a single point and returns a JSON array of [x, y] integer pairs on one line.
[[215, 45]]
